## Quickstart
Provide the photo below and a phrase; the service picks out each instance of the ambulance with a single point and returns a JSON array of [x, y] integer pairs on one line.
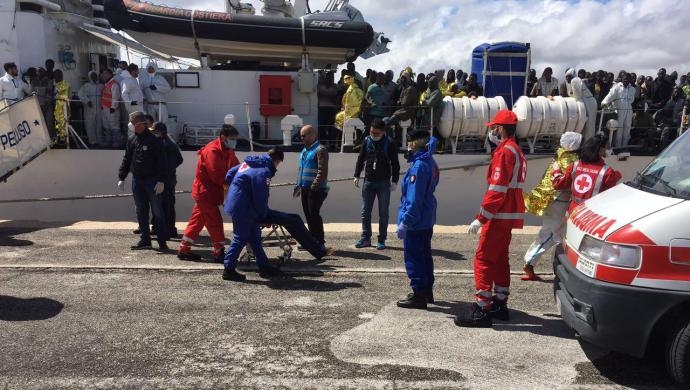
[[623, 270]]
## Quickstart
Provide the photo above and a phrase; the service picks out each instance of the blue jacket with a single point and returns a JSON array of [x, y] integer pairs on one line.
[[418, 205], [249, 188]]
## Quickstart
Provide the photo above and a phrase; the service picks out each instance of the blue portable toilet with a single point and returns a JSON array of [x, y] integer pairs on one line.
[[502, 69]]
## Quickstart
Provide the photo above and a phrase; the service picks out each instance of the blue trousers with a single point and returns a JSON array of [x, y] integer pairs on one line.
[[371, 190], [295, 226], [418, 261], [145, 199], [245, 231]]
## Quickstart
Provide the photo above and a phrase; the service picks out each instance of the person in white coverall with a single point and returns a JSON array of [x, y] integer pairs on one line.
[[132, 95], [621, 97], [155, 87], [90, 96], [583, 94]]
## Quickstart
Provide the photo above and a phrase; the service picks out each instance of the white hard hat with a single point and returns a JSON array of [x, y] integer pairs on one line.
[[612, 124], [571, 140], [229, 120]]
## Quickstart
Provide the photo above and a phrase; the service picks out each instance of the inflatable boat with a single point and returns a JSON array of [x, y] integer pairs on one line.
[[328, 38]]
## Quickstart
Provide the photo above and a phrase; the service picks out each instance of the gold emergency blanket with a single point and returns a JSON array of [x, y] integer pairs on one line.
[[352, 104], [541, 197], [62, 110]]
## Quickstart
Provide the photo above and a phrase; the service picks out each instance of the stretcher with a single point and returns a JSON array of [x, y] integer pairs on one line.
[[276, 237]]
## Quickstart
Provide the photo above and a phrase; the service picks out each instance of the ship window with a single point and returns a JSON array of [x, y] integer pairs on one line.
[[186, 80], [30, 7], [275, 96]]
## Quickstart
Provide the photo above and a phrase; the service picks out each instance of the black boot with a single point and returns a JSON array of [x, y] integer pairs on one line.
[[233, 275], [268, 271], [142, 244], [478, 318], [414, 300], [499, 310], [188, 256]]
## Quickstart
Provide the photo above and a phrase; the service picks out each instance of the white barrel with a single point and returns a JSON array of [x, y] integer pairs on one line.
[[543, 116], [465, 116]]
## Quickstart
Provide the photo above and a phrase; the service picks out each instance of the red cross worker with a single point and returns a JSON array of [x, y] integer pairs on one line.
[[588, 176]]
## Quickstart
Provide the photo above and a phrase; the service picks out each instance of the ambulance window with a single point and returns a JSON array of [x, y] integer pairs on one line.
[[669, 173]]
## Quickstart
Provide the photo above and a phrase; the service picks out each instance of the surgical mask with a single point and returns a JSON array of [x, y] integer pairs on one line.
[[130, 127], [376, 139], [230, 143], [609, 153], [495, 139]]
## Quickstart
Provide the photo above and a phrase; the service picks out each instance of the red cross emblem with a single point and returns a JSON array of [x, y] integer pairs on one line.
[[583, 183]]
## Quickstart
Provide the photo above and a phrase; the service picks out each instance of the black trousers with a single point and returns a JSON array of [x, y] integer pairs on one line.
[[168, 197], [312, 200]]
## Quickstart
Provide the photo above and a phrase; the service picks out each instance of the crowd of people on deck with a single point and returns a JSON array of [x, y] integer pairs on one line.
[[105, 100], [650, 107]]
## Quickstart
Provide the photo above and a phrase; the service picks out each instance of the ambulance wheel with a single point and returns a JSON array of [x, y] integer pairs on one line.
[[678, 353]]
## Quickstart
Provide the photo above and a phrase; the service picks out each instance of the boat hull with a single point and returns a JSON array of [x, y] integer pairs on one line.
[[238, 37]]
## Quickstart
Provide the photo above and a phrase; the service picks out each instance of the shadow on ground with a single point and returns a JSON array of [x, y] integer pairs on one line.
[[31, 309], [10, 229]]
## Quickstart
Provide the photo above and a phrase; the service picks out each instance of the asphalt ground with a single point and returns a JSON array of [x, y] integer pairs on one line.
[[78, 309]]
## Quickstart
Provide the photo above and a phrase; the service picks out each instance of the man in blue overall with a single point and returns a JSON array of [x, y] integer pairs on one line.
[[417, 216], [247, 204]]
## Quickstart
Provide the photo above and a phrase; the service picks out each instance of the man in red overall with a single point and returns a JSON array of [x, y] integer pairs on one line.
[[215, 159], [502, 210]]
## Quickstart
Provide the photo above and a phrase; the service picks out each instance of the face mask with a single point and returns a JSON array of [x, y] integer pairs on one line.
[[130, 127], [376, 139], [608, 153], [230, 143], [494, 138]]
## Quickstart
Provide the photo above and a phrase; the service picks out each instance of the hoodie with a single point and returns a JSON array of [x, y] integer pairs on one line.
[[249, 188], [418, 204]]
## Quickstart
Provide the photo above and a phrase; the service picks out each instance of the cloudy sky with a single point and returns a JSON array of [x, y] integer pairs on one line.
[[636, 35]]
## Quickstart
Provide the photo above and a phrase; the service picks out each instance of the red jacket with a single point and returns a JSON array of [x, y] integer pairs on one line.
[[214, 162], [585, 180], [503, 201]]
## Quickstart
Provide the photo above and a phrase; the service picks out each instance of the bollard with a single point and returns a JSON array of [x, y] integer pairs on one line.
[[287, 125], [404, 125], [349, 131]]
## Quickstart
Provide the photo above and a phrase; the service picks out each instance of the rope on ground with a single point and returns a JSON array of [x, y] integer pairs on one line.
[[273, 185]]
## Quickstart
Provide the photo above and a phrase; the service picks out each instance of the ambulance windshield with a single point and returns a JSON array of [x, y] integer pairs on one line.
[[669, 173]]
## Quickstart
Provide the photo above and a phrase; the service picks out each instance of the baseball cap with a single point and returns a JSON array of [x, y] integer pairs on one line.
[[503, 117]]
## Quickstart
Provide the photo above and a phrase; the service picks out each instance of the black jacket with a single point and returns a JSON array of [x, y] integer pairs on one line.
[[173, 157], [144, 158], [384, 155]]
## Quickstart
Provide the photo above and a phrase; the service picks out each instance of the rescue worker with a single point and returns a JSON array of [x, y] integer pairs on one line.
[[550, 204], [582, 93], [588, 176], [312, 180], [215, 159], [43, 87], [378, 158], [12, 87], [90, 96], [621, 96], [417, 217], [174, 159], [351, 102], [132, 96], [247, 204], [155, 88], [110, 110], [502, 210], [62, 109], [146, 160]]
